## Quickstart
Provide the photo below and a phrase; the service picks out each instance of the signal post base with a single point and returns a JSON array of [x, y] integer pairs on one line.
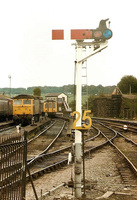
[[78, 162]]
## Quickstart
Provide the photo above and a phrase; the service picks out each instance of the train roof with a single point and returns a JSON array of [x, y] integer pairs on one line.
[[54, 94], [25, 96], [3, 97], [49, 100]]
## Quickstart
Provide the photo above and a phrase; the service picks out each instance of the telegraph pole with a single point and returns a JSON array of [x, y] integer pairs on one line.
[[9, 85]]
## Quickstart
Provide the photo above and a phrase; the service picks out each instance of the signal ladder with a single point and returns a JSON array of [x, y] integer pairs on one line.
[[84, 78]]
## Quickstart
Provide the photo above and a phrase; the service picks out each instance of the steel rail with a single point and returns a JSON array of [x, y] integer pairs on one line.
[[101, 145], [13, 152], [47, 148], [18, 143], [44, 155], [126, 158], [56, 165], [2, 125], [29, 141], [48, 169], [122, 121], [13, 174], [63, 162], [115, 132], [42, 197], [129, 140], [7, 128], [131, 128]]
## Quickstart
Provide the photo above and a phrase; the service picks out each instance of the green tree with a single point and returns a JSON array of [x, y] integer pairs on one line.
[[128, 84], [37, 91]]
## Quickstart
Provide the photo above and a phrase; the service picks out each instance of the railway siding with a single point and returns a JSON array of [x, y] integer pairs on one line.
[[108, 173]]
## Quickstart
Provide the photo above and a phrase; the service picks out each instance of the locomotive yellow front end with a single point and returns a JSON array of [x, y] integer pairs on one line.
[[50, 107], [23, 106], [26, 108]]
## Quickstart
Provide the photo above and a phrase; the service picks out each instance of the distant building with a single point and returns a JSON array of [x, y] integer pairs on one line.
[[116, 105], [61, 99], [58, 97]]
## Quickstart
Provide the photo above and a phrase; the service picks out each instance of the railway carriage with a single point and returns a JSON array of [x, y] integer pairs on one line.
[[50, 107], [56, 108], [26, 108], [6, 111], [56, 104]]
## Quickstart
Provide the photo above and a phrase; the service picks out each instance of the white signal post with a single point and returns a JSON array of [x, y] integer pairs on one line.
[[101, 35], [78, 134]]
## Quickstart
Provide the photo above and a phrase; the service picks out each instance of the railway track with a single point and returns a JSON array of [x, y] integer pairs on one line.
[[119, 124], [5, 124], [120, 127], [109, 136], [45, 161], [53, 160], [127, 149], [6, 127], [93, 143], [11, 154], [48, 141], [36, 159]]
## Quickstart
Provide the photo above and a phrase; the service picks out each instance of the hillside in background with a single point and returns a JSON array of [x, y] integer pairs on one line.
[[67, 89]]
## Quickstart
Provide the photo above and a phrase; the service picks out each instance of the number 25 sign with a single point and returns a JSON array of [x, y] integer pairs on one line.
[[85, 118]]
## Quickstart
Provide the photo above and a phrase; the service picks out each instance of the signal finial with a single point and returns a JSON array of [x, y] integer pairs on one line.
[[102, 24]]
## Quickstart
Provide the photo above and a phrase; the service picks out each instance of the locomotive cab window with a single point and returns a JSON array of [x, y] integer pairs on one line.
[[54, 105], [46, 105], [50, 105], [17, 102], [27, 102]]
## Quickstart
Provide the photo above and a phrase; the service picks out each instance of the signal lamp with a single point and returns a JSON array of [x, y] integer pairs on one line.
[[102, 35], [97, 34], [107, 33]]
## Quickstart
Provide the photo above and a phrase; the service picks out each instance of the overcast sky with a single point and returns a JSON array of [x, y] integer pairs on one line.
[[32, 58]]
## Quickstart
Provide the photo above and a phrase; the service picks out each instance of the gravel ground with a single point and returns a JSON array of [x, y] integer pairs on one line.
[[101, 176]]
